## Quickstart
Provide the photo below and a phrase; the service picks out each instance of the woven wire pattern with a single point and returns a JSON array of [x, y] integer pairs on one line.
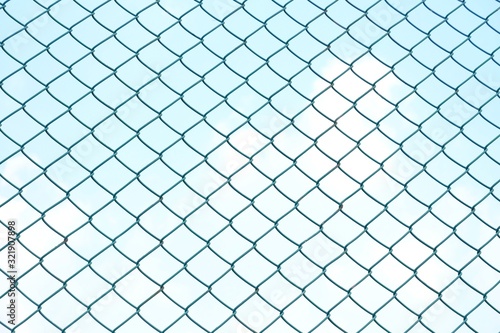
[[252, 166]]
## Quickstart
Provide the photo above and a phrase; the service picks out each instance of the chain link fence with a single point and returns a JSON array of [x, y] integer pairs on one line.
[[250, 166]]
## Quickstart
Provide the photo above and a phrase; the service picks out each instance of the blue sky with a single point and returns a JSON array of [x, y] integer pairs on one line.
[[233, 124]]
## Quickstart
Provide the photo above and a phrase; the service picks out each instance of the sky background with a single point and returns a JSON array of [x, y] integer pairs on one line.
[[310, 157]]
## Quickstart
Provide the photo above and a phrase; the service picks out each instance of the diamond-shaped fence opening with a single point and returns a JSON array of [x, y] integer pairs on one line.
[[250, 166]]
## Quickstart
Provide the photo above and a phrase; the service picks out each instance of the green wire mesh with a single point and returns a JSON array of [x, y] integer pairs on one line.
[[251, 165]]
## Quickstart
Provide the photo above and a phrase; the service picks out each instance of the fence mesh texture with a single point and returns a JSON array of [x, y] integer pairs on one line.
[[250, 165]]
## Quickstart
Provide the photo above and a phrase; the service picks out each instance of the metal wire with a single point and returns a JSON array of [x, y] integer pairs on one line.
[[340, 160]]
